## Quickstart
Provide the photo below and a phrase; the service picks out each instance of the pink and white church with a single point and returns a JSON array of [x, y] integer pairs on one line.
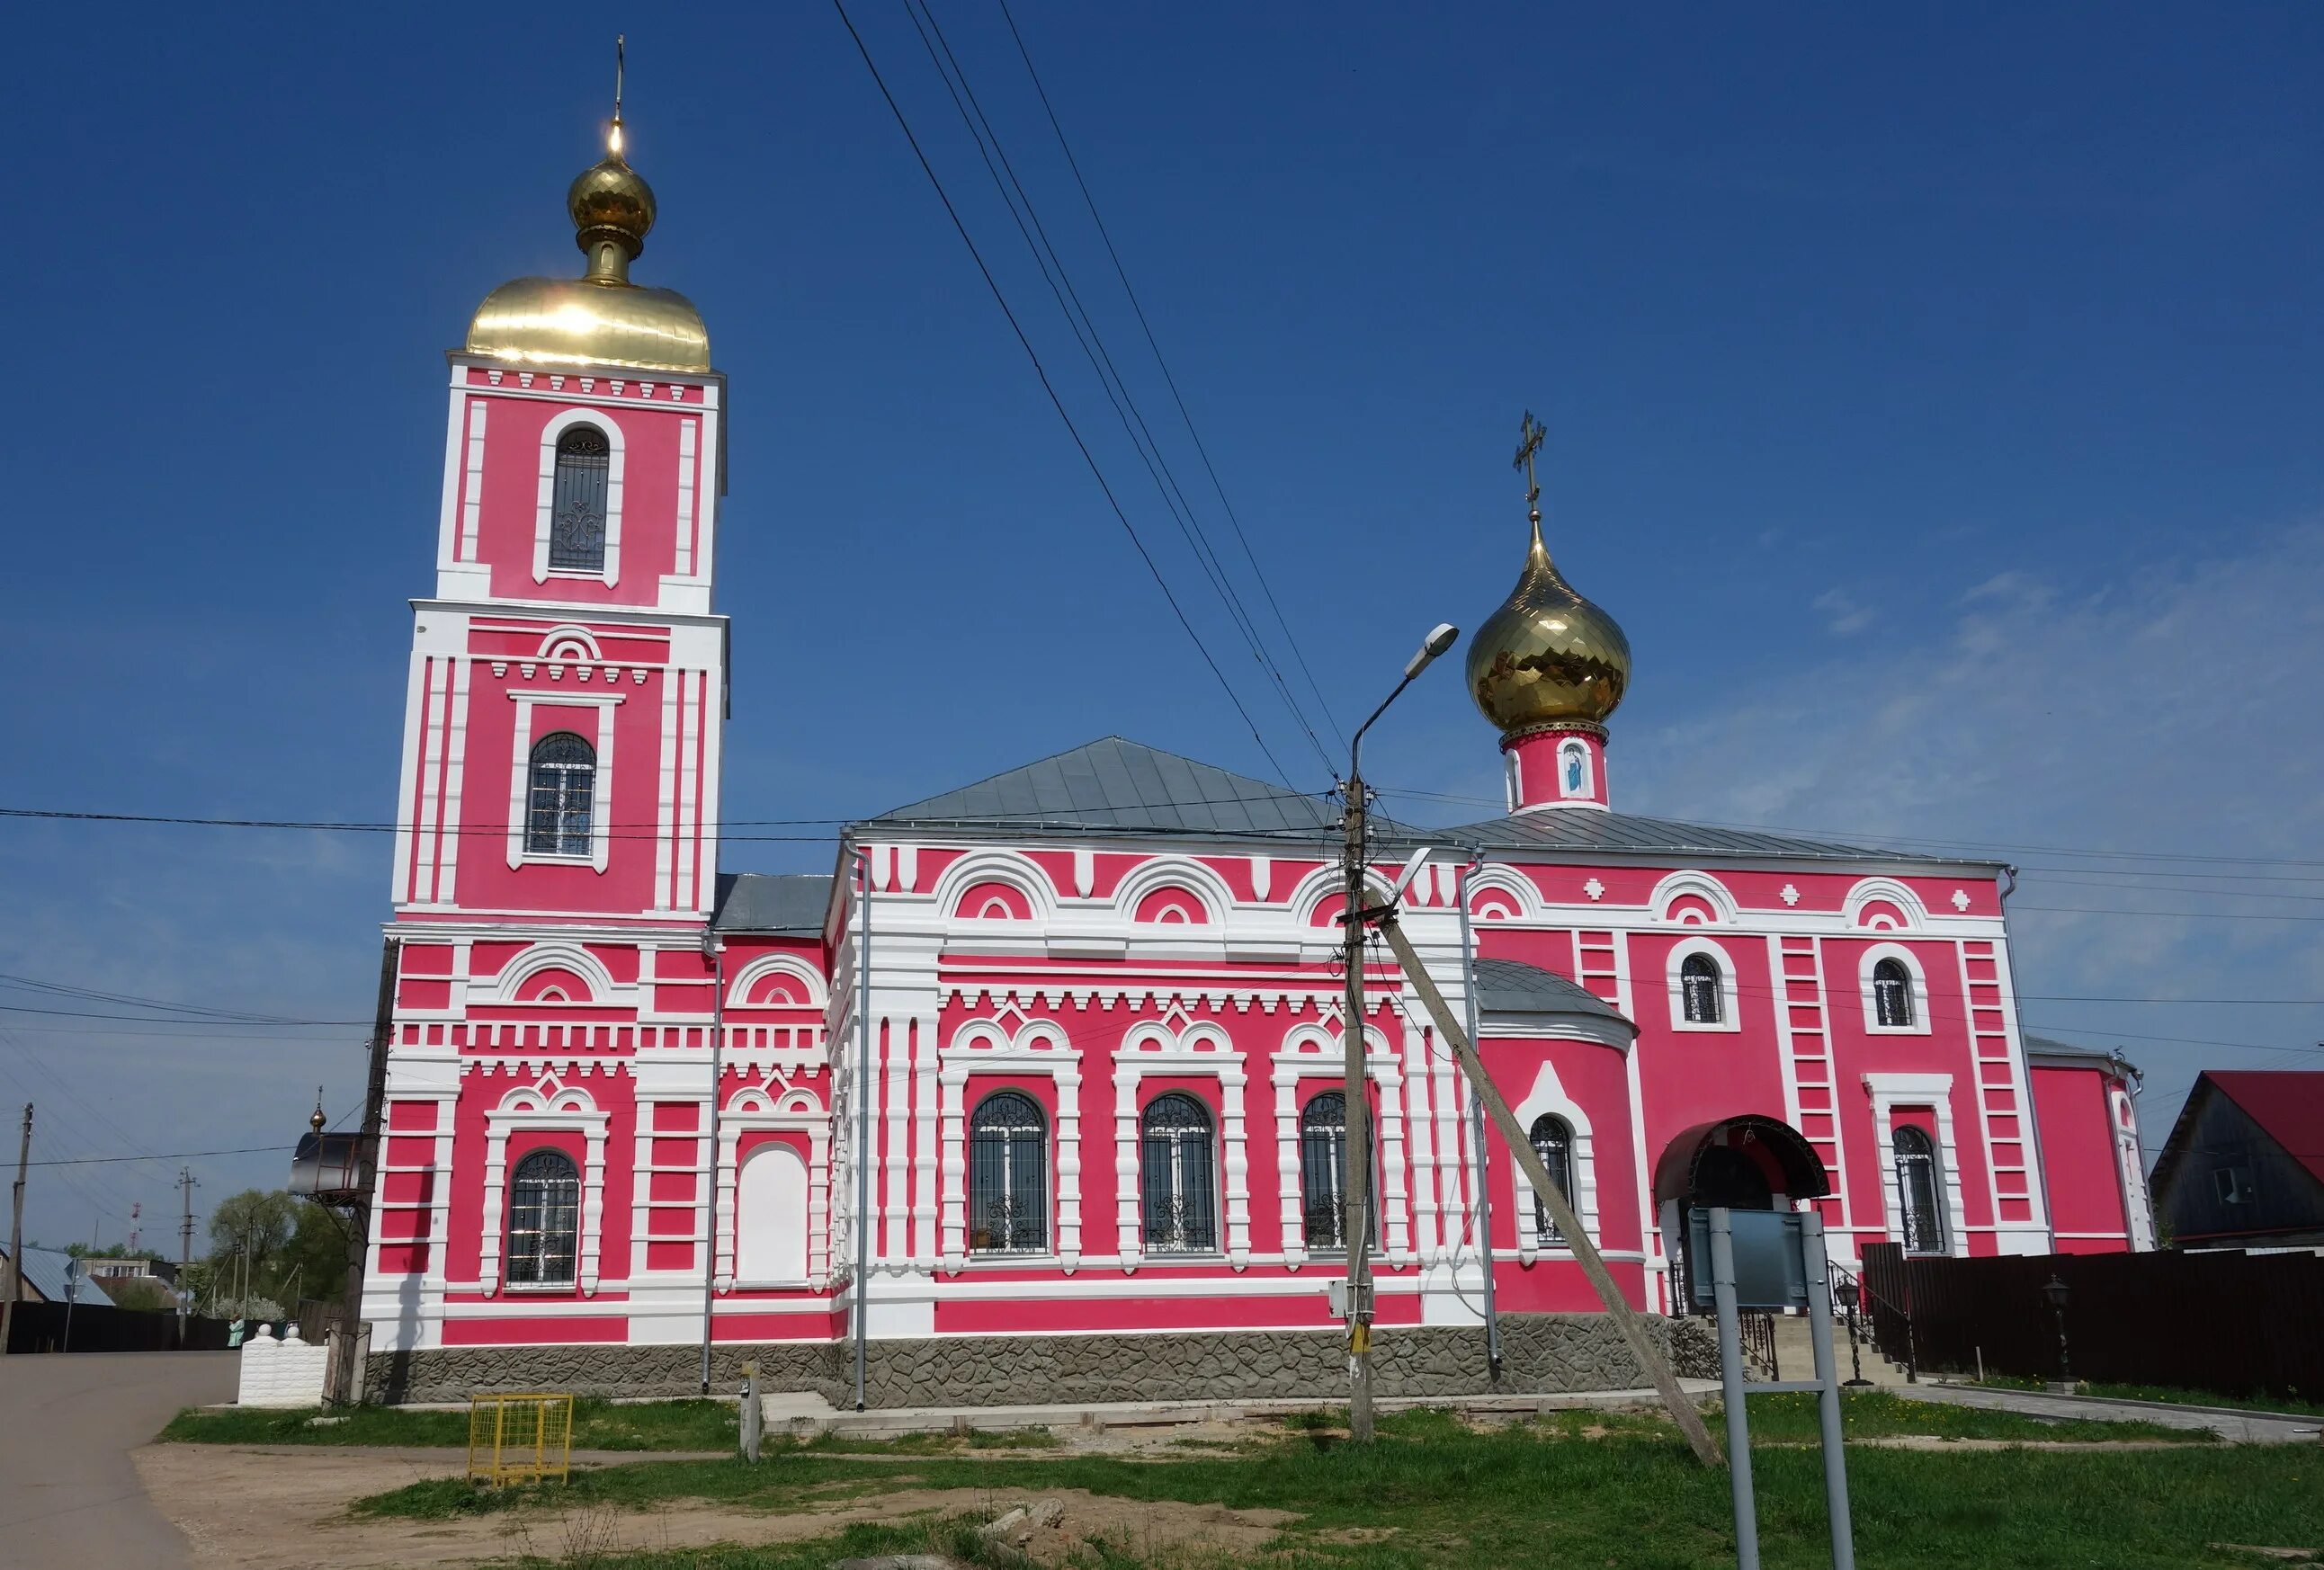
[[1093, 1095]]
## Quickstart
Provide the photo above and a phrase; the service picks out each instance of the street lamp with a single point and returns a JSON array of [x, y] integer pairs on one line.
[[1355, 1212], [2057, 1292]]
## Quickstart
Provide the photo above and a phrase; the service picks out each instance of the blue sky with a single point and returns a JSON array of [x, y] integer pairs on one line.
[[1932, 394]]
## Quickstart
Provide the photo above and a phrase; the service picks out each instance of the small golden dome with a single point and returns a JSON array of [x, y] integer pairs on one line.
[[600, 318], [1547, 657], [610, 201]]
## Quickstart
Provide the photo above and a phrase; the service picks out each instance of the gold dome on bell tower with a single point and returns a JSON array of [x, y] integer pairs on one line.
[[1547, 657], [600, 318]]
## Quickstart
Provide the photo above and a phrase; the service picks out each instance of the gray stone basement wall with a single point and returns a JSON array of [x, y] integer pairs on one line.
[[1542, 1354]]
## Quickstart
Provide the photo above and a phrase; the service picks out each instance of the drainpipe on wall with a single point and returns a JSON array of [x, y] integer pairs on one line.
[[1477, 1126], [2040, 1184], [863, 1112], [713, 950]]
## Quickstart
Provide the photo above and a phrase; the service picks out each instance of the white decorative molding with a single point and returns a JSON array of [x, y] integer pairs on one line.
[[757, 1107], [1878, 890], [1210, 891], [797, 968], [990, 864], [545, 505], [1960, 900], [1594, 889], [1789, 894], [1677, 885]]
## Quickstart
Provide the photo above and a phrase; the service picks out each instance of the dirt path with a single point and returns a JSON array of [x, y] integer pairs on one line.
[[275, 1509]]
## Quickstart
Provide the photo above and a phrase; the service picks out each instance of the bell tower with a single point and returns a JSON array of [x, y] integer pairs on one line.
[[567, 690]]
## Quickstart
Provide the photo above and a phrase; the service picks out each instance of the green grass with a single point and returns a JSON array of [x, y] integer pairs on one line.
[[598, 1424], [1536, 1492], [1872, 1414]]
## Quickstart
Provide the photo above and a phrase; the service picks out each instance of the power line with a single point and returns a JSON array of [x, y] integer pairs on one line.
[[1169, 381], [247, 1150], [1041, 372], [1059, 278]]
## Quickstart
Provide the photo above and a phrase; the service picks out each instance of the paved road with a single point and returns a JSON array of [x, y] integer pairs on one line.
[[2243, 1428], [69, 1492]]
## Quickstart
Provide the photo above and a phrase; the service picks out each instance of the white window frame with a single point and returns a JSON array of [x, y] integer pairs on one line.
[[1548, 1097], [1588, 789], [1893, 1093], [599, 735], [752, 1108], [1870, 958], [601, 420], [1309, 1051], [1202, 1052], [1039, 1048], [548, 1107], [1731, 1014]]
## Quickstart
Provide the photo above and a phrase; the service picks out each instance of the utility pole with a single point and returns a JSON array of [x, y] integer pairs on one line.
[[341, 1390], [1355, 1231], [1355, 1196], [16, 1233], [186, 1183]]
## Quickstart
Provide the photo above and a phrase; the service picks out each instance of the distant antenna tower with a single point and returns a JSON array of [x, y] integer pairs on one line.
[[133, 1209]]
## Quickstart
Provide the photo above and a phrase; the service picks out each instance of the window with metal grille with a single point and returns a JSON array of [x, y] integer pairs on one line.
[[563, 786], [1007, 1176], [1322, 1171], [576, 515], [1892, 994], [1177, 1181], [1918, 1211], [1553, 1142], [1699, 989], [544, 1229]]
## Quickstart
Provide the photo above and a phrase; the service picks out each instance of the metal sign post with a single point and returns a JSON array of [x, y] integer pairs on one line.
[[1782, 1265]]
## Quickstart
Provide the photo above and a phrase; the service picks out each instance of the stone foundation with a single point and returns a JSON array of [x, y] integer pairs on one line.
[[1541, 1354]]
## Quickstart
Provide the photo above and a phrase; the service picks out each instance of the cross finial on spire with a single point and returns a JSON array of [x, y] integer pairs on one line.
[[613, 139], [1529, 437]]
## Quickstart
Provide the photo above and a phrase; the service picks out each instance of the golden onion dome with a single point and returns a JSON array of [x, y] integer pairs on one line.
[[600, 318], [1547, 657]]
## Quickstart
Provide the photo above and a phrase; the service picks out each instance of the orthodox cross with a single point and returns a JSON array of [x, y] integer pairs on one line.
[[615, 140], [1529, 434]]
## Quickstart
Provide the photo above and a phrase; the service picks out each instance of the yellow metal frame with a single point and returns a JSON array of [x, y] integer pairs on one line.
[[525, 1436]]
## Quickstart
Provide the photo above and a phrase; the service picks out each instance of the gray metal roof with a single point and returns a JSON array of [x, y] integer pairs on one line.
[[2046, 1047], [1120, 786], [788, 904], [44, 1273], [1514, 986], [1115, 786], [1580, 828]]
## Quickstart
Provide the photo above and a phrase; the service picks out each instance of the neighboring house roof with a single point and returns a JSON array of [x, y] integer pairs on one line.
[[44, 1274], [786, 904], [2066, 1054], [1514, 986], [1115, 786], [2288, 1104]]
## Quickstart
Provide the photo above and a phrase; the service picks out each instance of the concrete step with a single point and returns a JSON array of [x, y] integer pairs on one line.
[[1796, 1354]]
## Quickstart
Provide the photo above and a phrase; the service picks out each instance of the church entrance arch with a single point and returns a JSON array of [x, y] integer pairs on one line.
[[1749, 1162]]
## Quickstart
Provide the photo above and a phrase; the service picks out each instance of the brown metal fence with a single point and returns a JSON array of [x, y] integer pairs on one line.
[[2234, 1324]]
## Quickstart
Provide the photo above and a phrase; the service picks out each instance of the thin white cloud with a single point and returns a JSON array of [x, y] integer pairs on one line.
[[1843, 616]]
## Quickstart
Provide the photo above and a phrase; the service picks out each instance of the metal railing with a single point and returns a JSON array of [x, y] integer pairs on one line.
[[1871, 1320], [1759, 1343]]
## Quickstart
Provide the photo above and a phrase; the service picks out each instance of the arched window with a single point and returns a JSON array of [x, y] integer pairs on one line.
[[771, 1215], [1007, 1176], [1322, 1171], [1920, 1215], [544, 1228], [576, 508], [1180, 1194], [1573, 769], [1892, 994], [1699, 989], [564, 784], [1553, 1142]]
